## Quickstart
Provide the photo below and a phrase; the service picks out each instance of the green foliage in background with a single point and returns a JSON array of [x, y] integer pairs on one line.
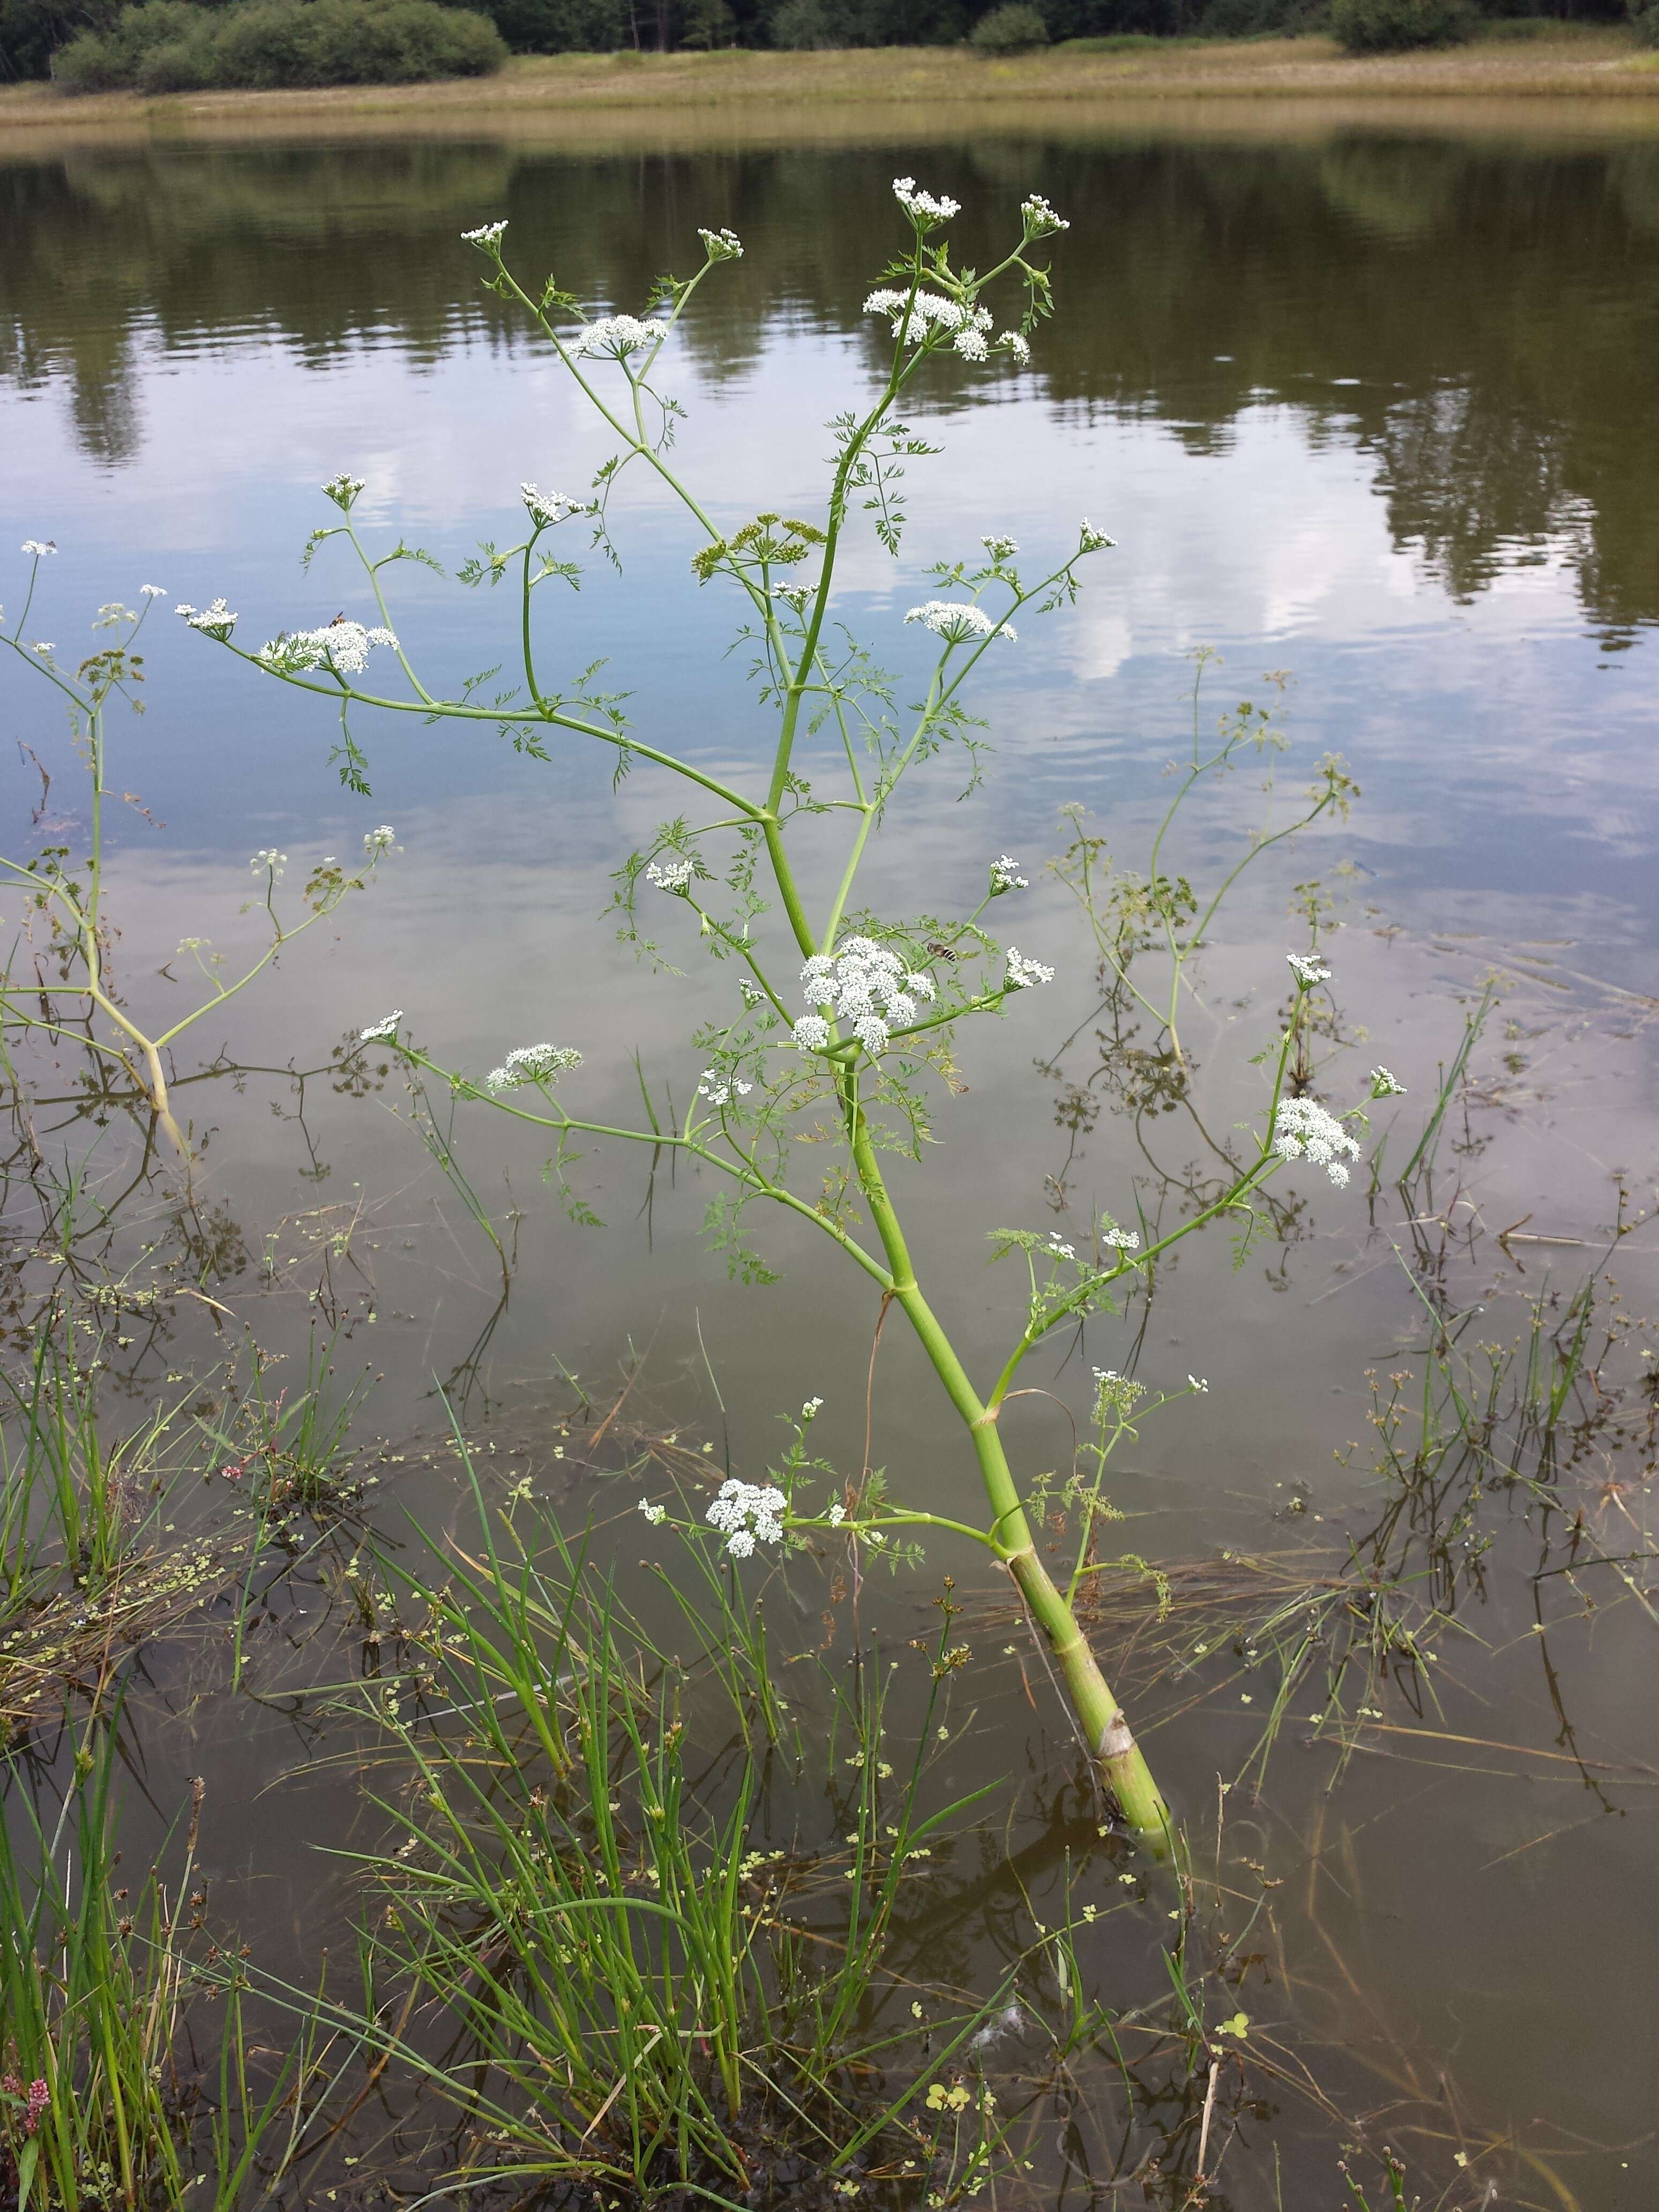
[[33, 32], [1013, 29], [170, 46], [1392, 27]]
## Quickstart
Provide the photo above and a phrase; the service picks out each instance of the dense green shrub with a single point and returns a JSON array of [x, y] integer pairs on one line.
[[1644, 22], [1014, 29], [170, 46], [1256, 19], [1394, 26], [802, 26]]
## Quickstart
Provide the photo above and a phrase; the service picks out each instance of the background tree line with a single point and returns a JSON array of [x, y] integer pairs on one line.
[[31, 31]]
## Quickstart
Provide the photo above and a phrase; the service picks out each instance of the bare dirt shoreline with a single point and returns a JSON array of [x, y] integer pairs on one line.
[[907, 92]]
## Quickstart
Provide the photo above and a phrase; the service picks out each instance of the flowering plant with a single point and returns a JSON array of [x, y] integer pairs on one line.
[[65, 901], [845, 1016]]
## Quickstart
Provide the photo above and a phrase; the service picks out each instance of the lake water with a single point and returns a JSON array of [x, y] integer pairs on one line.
[[1375, 403]]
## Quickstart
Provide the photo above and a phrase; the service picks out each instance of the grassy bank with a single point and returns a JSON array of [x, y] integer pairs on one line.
[[904, 85]]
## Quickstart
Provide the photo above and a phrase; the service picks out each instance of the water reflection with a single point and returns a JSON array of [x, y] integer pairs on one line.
[[1482, 320]]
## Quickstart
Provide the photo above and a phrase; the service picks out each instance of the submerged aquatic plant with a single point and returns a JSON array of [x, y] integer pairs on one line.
[[845, 1016]]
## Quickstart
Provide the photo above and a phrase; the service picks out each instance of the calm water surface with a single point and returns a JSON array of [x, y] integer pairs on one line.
[[1376, 408]]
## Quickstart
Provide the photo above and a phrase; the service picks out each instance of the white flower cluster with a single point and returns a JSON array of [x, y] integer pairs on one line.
[[376, 842], [925, 209], [923, 313], [269, 857], [39, 546], [153, 591], [1304, 1130], [613, 336], [44, 646], [721, 245], [343, 489], [548, 507], [669, 875], [793, 595], [835, 1516], [1005, 875], [738, 1504], [217, 620], [1307, 970], [720, 1089], [959, 622], [1386, 1084], [1023, 973], [1057, 1248], [533, 1063], [487, 235], [869, 986], [653, 1514], [1198, 1382], [1120, 1240], [1000, 548], [378, 1032], [1091, 540], [342, 648], [1041, 221]]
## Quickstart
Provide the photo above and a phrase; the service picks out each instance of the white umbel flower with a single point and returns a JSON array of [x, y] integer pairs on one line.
[[869, 986], [1307, 970], [548, 507], [669, 875], [533, 1063], [378, 1032], [1304, 1130], [720, 1089], [153, 591], [343, 489], [1385, 1083], [1091, 540], [216, 621], [721, 245], [958, 622], [1005, 875], [1023, 974], [1041, 220], [746, 1514], [486, 235], [924, 209], [41, 546], [342, 648], [612, 336]]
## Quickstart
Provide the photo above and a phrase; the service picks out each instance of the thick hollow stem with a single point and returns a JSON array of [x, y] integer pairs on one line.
[[1118, 1758]]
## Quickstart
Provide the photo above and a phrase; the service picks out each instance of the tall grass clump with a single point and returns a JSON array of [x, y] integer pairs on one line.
[[115, 2090], [620, 1975], [843, 1025], [171, 45]]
